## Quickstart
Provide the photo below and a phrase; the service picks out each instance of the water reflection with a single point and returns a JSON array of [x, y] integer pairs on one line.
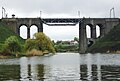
[[98, 67], [9, 72], [62, 67], [24, 69], [34, 69], [29, 70], [89, 67]]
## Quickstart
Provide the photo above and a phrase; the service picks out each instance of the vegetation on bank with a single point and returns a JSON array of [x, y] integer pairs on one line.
[[40, 45], [67, 46], [10, 43], [32, 47], [13, 45], [110, 43], [6, 32]]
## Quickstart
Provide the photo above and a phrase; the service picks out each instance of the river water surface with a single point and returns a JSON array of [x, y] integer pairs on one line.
[[62, 67]]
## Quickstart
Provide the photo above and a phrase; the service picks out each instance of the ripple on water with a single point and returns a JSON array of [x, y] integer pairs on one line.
[[62, 67]]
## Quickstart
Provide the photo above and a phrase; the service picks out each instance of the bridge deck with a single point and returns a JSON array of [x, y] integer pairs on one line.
[[61, 21]]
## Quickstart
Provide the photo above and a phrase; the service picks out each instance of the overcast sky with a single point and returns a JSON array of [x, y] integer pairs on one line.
[[60, 8]]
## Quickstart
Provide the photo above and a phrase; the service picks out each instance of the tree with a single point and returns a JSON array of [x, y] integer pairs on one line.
[[31, 44], [41, 42], [76, 39], [12, 45], [58, 42]]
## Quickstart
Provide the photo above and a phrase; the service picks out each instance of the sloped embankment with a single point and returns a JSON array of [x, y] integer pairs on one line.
[[110, 43], [5, 32]]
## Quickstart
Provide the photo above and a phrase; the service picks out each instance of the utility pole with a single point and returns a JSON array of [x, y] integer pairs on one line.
[[79, 14], [3, 12], [112, 10], [40, 13]]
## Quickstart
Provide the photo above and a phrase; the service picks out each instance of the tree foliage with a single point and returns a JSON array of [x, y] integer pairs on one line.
[[12, 45], [76, 39], [41, 42], [31, 44]]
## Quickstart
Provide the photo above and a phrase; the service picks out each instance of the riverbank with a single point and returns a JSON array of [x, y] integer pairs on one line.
[[12, 45], [110, 43]]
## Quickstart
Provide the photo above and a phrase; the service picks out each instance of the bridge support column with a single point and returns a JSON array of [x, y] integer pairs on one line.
[[93, 32], [17, 31], [82, 37], [40, 28], [102, 32], [28, 32]]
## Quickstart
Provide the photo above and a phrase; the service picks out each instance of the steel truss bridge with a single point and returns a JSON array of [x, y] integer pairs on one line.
[[61, 21]]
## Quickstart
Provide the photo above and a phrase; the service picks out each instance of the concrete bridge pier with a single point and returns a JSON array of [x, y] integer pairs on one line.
[[93, 32], [28, 32], [82, 37], [40, 27], [17, 31], [102, 31]]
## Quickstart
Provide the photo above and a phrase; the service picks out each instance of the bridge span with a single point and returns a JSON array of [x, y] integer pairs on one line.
[[105, 24]]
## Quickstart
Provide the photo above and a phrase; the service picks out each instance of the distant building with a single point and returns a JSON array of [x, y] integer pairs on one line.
[[73, 42]]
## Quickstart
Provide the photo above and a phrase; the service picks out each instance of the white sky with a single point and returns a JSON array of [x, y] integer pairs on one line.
[[60, 9]]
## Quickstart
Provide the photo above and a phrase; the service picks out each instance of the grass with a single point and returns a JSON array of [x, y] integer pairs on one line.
[[6, 32], [34, 52]]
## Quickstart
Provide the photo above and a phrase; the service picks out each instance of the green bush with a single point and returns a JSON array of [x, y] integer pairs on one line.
[[41, 42], [11, 45]]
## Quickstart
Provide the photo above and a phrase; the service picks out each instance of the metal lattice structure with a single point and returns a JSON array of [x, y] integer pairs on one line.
[[61, 21]]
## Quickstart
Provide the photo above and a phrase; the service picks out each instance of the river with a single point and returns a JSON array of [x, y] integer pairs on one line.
[[62, 67]]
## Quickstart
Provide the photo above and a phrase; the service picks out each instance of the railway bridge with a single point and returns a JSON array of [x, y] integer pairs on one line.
[[105, 24]]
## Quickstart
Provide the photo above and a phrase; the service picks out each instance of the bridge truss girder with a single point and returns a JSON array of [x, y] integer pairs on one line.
[[61, 21]]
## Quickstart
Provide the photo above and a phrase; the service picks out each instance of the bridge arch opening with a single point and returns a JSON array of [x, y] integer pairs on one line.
[[98, 30], [88, 30], [33, 30], [23, 31]]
